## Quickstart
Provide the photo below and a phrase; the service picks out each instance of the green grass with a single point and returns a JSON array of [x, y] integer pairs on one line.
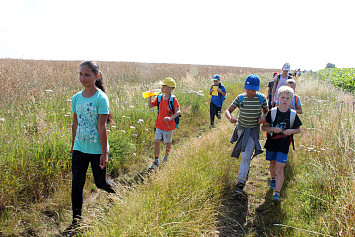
[[340, 77], [184, 198]]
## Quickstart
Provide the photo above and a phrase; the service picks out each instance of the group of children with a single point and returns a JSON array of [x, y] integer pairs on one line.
[[278, 118], [91, 115]]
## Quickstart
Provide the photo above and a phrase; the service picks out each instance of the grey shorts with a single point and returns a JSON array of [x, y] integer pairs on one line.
[[164, 136]]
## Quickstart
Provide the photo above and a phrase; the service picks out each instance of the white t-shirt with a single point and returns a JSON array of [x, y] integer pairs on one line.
[[281, 83]]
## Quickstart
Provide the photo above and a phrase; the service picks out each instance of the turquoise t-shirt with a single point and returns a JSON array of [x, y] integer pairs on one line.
[[87, 138]]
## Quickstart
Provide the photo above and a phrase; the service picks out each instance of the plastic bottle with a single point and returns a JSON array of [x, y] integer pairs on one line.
[[151, 93]]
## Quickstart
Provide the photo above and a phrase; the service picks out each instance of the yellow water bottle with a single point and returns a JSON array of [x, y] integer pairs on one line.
[[151, 93]]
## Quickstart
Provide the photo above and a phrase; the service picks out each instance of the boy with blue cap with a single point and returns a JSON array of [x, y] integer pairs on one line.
[[251, 105], [218, 93]]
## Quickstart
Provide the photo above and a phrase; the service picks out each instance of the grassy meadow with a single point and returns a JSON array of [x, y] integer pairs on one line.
[[185, 197]]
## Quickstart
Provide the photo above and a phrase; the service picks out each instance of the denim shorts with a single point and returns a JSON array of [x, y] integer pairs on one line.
[[164, 136], [276, 155]]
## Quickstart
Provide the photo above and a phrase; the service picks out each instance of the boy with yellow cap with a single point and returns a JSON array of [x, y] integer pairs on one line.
[[168, 110]]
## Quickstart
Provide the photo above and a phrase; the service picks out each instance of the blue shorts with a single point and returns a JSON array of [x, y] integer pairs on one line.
[[276, 155]]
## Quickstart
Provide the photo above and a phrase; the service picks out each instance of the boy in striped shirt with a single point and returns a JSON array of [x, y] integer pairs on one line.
[[253, 108]]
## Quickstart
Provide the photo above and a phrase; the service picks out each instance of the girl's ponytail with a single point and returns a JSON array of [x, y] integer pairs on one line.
[[99, 83]]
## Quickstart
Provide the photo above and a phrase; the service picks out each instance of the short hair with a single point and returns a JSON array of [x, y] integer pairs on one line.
[[285, 89], [291, 82]]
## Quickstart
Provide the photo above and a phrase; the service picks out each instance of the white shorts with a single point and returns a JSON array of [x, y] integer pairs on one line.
[[164, 136]]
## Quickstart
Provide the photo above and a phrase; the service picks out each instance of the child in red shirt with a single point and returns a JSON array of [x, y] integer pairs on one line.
[[165, 123]]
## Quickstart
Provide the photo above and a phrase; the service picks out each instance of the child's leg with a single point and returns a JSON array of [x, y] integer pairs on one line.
[[100, 175], [272, 168], [168, 147], [281, 159], [156, 148], [245, 161], [213, 112], [80, 164], [280, 175]]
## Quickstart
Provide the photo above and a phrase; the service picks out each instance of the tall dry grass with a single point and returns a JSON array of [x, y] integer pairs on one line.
[[36, 125]]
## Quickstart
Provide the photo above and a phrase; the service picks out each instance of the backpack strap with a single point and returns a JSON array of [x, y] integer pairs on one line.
[[159, 99], [171, 103], [241, 98], [278, 79], [296, 101], [260, 99], [273, 112], [293, 114], [292, 117]]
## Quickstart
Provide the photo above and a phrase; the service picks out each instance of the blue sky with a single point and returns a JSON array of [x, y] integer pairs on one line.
[[307, 34]]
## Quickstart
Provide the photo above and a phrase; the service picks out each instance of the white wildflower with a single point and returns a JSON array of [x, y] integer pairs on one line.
[[123, 131], [48, 91], [140, 121], [132, 127], [68, 100], [134, 154], [131, 106], [134, 135], [2, 119], [113, 126], [123, 116]]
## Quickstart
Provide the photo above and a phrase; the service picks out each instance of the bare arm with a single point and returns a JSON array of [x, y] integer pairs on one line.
[[103, 139], [289, 132], [273, 92], [228, 114], [150, 104], [263, 118], [220, 91], [73, 128], [266, 128], [299, 109], [177, 113]]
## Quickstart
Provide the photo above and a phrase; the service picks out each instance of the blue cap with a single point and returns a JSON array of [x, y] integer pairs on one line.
[[252, 82], [216, 77]]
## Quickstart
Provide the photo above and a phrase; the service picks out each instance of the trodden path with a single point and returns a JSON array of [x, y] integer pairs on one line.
[[245, 215]]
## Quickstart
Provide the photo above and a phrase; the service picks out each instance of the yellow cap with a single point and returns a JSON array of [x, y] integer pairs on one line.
[[169, 82]]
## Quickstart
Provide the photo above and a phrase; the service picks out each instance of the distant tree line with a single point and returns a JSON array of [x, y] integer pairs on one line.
[[330, 65]]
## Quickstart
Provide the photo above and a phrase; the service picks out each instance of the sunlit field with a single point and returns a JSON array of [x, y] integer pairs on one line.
[[183, 198], [36, 119]]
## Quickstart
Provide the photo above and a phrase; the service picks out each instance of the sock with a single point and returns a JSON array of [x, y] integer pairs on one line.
[[277, 193], [273, 178]]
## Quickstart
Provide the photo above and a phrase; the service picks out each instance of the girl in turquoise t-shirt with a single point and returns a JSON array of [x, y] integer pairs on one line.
[[89, 145]]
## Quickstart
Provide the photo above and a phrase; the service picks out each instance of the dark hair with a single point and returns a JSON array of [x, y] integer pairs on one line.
[[99, 83], [94, 66]]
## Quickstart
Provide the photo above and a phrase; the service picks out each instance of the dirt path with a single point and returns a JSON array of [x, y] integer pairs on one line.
[[242, 215]]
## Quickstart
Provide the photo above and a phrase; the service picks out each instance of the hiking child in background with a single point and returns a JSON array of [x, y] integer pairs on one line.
[[284, 122], [218, 93], [251, 105], [270, 86], [165, 123], [296, 101], [89, 137], [280, 81]]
